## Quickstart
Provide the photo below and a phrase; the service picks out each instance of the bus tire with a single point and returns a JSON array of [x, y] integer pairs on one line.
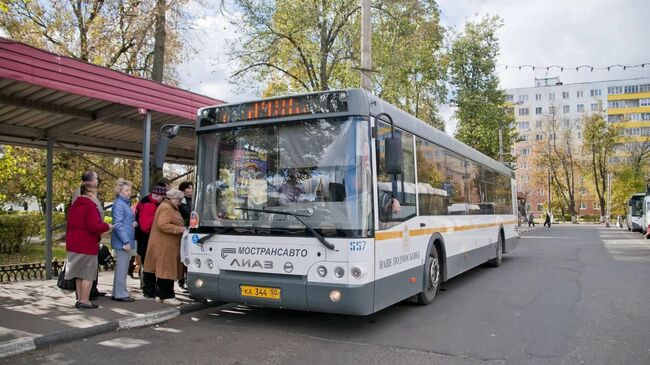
[[432, 275], [498, 259]]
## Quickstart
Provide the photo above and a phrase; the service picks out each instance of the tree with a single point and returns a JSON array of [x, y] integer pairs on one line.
[[29, 179], [481, 105], [114, 34], [557, 155], [303, 46], [599, 140], [10, 167]]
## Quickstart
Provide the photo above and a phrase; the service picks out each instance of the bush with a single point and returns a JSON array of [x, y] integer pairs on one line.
[[17, 230]]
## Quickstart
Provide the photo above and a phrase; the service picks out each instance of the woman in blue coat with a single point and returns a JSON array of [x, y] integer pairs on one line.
[[122, 238]]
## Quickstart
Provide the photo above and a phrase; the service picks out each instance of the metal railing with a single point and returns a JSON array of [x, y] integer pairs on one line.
[[33, 271]]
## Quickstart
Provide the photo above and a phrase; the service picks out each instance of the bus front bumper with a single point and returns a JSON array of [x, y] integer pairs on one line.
[[295, 292]]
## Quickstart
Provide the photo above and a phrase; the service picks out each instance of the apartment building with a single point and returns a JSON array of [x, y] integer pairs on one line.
[[552, 102]]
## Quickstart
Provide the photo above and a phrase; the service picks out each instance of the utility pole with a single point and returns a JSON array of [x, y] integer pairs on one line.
[[366, 49]]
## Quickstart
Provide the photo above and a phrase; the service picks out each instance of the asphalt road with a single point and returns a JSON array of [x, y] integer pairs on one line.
[[566, 295]]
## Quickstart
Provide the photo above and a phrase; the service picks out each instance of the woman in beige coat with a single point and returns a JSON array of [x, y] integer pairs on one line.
[[163, 253]]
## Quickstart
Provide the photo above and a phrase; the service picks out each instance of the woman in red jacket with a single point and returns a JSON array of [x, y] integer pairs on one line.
[[84, 229]]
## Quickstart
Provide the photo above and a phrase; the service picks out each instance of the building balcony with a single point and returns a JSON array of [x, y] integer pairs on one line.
[[628, 96]]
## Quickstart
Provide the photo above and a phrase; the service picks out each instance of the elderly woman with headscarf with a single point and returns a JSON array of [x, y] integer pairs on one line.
[[83, 231], [123, 238], [163, 253]]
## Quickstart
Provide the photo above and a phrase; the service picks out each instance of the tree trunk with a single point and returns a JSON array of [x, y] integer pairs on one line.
[[159, 42]]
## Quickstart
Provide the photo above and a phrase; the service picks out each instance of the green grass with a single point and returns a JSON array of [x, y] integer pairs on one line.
[[32, 253]]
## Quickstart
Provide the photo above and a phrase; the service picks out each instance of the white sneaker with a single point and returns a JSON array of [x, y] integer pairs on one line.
[[171, 301], [158, 300]]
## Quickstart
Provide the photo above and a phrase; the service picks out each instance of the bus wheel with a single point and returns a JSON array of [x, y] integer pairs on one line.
[[496, 261], [431, 278]]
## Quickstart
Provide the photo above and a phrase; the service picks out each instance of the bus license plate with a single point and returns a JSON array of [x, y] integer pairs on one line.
[[260, 292]]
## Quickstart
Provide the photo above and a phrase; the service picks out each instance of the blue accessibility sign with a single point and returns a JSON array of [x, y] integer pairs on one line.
[[195, 239]]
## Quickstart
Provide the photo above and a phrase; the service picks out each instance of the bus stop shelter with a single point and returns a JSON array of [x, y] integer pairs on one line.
[[56, 102]]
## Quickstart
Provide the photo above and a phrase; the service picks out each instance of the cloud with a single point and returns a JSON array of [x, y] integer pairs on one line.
[[560, 32]]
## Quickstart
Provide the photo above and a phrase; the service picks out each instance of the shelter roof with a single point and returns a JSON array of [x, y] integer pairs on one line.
[[86, 107]]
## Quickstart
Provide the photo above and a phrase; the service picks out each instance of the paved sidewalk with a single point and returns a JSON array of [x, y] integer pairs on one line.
[[37, 314]]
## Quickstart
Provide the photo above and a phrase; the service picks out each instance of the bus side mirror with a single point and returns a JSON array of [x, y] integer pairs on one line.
[[161, 151], [394, 160], [165, 135]]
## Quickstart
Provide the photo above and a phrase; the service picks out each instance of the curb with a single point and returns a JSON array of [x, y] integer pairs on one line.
[[23, 345]]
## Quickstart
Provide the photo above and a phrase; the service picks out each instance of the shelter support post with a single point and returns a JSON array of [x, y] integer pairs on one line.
[[146, 153], [48, 208]]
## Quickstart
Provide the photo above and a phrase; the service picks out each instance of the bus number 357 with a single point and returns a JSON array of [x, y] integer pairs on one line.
[[357, 245]]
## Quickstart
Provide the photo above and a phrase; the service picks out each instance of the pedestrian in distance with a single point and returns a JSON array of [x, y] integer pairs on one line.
[[91, 178], [163, 253], [145, 212], [547, 220], [531, 219], [83, 231], [187, 188], [122, 238]]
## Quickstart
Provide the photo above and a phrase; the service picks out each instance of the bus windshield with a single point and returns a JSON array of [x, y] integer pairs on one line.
[[316, 168], [636, 206]]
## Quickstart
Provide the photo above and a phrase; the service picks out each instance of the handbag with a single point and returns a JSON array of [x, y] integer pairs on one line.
[[61, 281]]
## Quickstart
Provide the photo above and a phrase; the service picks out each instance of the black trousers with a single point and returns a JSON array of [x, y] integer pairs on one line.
[[165, 288], [149, 284]]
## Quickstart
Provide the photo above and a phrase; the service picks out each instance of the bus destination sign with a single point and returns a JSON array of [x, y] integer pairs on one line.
[[328, 102]]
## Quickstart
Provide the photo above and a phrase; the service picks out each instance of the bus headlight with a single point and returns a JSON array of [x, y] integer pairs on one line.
[[356, 272], [338, 272], [335, 295], [198, 283], [209, 263], [197, 263], [322, 271]]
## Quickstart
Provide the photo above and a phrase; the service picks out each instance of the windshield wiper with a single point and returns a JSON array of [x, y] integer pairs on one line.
[[205, 238], [320, 238]]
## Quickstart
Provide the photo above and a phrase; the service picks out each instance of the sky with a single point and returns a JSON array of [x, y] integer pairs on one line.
[[542, 33]]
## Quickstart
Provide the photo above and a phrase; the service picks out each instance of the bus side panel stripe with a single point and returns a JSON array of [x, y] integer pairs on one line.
[[462, 262]]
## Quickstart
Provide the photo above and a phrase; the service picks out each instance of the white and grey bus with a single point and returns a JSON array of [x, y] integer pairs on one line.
[[339, 202]]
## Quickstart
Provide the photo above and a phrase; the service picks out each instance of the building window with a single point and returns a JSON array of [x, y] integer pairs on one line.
[[551, 96], [525, 151], [583, 206], [523, 137], [510, 97], [528, 207], [613, 104], [596, 205], [538, 110], [580, 108], [596, 107], [538, 97], [614, 118], [538, 124], [523, 111], [540, 192], [615, 90], [524, 125], [566, 109], [631, 89], [540, 207], [565, 94], [539, 137], [579, 93], [551, 109], [595, 92], [644, 102], [644, 88], [645, 116], [523, 98]]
